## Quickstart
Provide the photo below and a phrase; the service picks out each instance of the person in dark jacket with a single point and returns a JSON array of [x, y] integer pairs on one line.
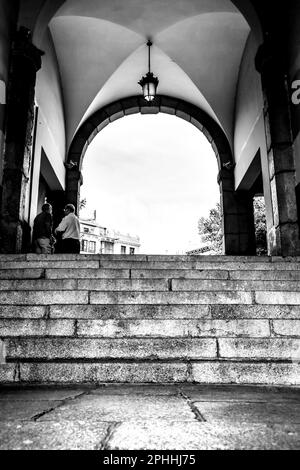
[[42, 236]]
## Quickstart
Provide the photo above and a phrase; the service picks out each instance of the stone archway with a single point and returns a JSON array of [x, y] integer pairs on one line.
[[238, 224]]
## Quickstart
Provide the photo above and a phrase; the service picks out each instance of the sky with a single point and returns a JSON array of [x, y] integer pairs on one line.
[[153, 176]]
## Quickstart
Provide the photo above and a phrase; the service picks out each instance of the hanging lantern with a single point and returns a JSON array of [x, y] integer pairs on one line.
[[149, 82]]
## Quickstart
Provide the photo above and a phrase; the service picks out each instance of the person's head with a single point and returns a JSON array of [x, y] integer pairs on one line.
[[69, 209], [47, 208]]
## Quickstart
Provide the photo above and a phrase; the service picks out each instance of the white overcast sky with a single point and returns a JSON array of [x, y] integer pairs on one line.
[[152, 176]]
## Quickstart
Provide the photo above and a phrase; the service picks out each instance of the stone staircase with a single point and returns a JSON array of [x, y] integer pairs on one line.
[[68, 319]]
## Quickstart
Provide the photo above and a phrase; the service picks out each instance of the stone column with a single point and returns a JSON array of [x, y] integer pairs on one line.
[[237, 217], [283, 237], [25, 62], [73, 183]]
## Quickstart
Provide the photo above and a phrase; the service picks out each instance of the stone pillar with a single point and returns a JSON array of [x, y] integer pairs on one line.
[[25, 62], [237, 217], [283, 237], [73, 183]]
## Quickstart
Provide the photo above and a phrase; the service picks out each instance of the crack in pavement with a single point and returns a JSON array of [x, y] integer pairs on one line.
[[109, 433], [62, 403], [198, 416]]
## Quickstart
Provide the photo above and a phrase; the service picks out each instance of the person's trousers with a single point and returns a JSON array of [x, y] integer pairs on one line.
[[42, 246], [70, 245]]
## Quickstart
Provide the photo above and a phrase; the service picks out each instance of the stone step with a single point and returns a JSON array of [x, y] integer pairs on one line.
[[202, 372], [151, 311], [85, 284], [120, 318], [43, 349], [146, 328], [142, 257], [130, 263], [106, 273], [48, 297], [57, 348]]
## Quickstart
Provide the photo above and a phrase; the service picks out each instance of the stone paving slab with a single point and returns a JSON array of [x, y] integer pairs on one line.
[[32, 393], [19, 410], [113, 417], [240, 393], [162, 435], [265, 412], [126, 408], [71, 435]]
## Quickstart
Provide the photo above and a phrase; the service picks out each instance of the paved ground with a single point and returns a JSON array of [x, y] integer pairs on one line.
[[160, 417]]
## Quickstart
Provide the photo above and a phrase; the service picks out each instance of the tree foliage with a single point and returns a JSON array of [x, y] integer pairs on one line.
[[82, 204], [210, 228]]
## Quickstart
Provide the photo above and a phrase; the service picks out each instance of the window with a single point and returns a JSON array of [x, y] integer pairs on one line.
[[84, 245], [86, 230], [107, 247], [123, 250], [132, 251], [92, 247], [88, 247]]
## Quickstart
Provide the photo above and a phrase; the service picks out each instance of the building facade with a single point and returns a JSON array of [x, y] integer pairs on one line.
[[95, 239]]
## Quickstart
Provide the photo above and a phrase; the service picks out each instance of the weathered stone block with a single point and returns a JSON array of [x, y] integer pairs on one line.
[[141, 372], [38, 284], [265, 275], [87, 273], [8, 373], [271, 348], [43, 297], [173, 328], [179, 273], [135, 297], [123, 284], [246, 373], [283, 161], [2, 352], [283, 193], [273, 298], [255, 311], [7, 258], [20, 311], [40, 328], [167, 110], [287, 327], [138, 311], [50, 264], [78, 348], [21, 273], [233, 285]]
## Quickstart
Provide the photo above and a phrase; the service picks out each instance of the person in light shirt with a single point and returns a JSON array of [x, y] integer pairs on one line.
[[69, 230]]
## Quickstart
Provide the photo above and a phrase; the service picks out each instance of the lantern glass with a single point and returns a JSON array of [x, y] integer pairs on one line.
[[149, 90]]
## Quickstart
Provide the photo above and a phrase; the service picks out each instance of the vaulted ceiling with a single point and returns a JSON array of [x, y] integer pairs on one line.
[[102, 54]]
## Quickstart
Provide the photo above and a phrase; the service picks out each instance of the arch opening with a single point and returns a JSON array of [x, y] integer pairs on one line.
[[236, 233], [150, 176]]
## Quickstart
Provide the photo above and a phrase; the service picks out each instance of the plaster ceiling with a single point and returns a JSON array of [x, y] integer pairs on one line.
[[100, 45]]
